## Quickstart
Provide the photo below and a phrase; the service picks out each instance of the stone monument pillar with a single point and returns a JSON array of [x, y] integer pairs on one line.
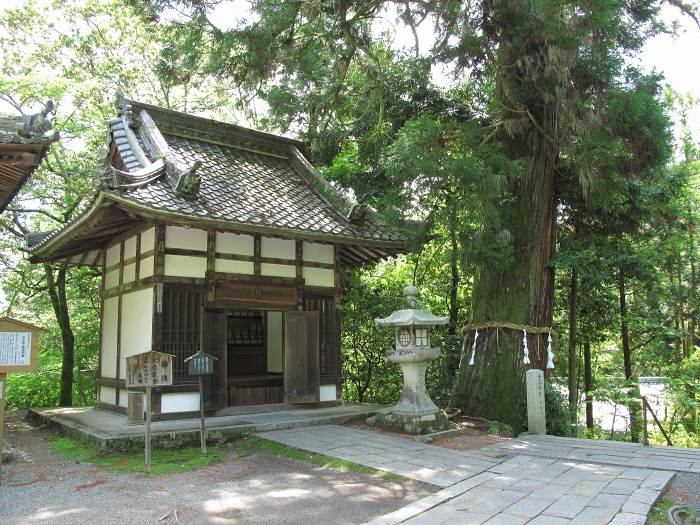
[[536, 423], [415, 412]]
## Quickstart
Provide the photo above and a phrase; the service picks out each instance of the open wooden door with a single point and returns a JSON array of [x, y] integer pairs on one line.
[[301, 357], [214, 342]]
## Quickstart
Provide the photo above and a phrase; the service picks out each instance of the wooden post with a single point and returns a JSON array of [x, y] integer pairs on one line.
[[148, 427], [203, 438], [2, 412], [645, 438]]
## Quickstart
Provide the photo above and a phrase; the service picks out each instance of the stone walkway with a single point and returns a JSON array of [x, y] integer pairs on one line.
[[608, 452], [430, 464], [498, 485]]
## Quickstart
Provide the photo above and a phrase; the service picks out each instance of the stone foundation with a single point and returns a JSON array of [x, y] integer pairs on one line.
[[411, 424]]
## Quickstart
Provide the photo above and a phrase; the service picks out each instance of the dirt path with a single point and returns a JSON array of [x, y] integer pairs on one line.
[[38, 486]]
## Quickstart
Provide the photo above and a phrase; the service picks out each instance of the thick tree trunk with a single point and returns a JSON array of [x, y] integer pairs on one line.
[[573, 394], [633, 393], [454, 276], [588, 383], [57, 292], [453, 357], [520, 291]]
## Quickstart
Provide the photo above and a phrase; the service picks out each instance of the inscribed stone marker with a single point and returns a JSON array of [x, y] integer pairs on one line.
[[536, 423]]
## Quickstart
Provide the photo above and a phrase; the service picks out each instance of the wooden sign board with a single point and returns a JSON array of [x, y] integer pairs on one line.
[[149, 369], [19, 345], [200, 363]]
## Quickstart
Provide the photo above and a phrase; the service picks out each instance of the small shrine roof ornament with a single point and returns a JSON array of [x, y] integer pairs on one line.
[[414, 315]]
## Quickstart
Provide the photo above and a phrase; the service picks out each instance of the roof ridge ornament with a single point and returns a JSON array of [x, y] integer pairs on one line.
[[124, 108], [187, 180], [38, 124]]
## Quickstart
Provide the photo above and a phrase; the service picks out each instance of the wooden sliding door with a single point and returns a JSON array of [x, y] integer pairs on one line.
[[301, 357]]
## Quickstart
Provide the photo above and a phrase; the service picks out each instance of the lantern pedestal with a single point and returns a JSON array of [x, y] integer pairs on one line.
[[415, 412]]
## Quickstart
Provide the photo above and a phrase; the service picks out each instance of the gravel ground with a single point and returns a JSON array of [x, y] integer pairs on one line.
[[685, 490], [39, 486]]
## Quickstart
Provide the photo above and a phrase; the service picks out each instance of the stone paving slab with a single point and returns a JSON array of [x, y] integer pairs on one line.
[[604, 452], [580, 494], [420, 461], [485, 487]]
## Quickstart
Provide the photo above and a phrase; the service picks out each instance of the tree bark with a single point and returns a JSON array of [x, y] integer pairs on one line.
[[454, 274], [453, 356], [56, 286], [633, 394], [588, 383], [519, 291], [573, 394]]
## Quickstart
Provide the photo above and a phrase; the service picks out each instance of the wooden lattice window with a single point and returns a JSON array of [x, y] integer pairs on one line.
[[182, 307]]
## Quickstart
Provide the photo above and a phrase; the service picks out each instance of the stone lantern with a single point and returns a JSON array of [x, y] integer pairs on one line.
[[415, 411]]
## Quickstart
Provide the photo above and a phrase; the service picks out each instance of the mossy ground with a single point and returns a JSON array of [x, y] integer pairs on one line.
[[162, 461], [186, 459], [659, 512]]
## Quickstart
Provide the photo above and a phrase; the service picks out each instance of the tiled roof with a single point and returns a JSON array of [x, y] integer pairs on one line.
[[251, 188]]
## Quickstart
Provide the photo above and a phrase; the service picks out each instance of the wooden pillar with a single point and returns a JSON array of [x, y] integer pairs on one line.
[[211, 268]]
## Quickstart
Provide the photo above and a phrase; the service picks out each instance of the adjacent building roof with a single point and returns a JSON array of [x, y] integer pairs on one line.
[[179, 168], [24, 142]]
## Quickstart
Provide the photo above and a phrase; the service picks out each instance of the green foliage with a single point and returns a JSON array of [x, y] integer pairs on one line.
[[556, 412]]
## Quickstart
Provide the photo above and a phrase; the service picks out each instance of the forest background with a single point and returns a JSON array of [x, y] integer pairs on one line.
[[556, 177]]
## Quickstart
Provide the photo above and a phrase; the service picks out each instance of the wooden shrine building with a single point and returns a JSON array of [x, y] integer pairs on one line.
[[204, 226]]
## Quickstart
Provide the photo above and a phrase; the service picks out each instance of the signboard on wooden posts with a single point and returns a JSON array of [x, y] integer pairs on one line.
[[19, 346], [149, 369]]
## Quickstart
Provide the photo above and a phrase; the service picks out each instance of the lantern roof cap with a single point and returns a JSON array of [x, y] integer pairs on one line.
[[414, 315]]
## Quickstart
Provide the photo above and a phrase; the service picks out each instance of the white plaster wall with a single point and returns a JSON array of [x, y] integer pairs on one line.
[[146, 269], [234, 243], [124, 398], [108, 367], [148, 240], [179, 402], [137, 320], [129, 273], [278, 270], [327, 393], [277, 248], [130, 247], [319, 277], [275, 342], [112, 255], [228, 266], [108, 395], [112, 279], [185, 266], [320, 253], [185, 238]]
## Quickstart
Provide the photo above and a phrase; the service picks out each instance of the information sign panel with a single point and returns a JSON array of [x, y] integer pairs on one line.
[[19, 345], [15, 348], [149, 369]]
